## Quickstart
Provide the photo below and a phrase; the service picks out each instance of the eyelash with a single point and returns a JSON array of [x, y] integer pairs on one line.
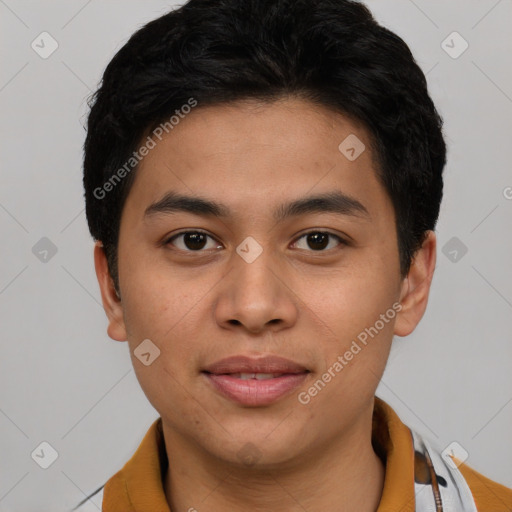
[[341, 241]]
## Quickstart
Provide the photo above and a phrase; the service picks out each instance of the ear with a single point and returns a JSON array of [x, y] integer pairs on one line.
[[111, 302], [415, 287]]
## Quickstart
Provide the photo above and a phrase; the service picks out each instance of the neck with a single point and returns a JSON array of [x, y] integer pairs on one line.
[[341, 474]]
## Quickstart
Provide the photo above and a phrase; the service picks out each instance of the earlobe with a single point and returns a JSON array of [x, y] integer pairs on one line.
[[416, 287], [111, 302]]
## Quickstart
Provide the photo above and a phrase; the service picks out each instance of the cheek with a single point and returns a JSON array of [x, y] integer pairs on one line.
[[348, 302], [354, 360], [356, 313], [155, 310], [153, 299], [149, 317]]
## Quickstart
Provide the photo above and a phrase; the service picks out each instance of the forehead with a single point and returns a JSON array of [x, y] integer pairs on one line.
[[253, 156]]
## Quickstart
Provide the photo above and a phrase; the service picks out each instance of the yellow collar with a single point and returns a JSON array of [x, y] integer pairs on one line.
[[138, 487]]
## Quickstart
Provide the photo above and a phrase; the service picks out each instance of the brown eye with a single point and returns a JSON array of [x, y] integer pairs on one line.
[[191, 241], [319, 240]]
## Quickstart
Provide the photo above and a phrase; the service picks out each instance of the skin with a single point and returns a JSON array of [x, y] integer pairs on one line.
[[302, 304]]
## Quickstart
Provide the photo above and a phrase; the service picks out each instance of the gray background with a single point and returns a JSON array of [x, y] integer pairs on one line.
[[62, 380]]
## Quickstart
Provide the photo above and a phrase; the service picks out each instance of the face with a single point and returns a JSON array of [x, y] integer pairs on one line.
[[249, 233]]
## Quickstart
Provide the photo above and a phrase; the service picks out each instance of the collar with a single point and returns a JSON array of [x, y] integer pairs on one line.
[[138, 487]]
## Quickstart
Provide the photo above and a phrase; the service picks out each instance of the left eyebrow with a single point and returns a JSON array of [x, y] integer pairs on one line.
[[334, 202]]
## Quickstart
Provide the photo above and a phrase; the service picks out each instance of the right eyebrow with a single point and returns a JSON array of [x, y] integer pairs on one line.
[[172, 202]]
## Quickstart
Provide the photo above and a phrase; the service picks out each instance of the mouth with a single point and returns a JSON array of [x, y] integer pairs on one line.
[[255, 382], [257, 376]]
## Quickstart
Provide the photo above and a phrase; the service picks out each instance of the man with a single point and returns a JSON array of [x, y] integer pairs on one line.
[[263, 179]]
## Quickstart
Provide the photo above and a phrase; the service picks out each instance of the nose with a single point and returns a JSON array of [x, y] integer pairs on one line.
[[255, 296]]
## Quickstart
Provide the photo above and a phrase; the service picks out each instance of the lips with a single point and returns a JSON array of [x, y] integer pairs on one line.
[[255, 382], [244, 364]]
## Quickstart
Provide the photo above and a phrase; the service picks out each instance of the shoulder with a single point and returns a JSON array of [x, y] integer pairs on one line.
[[488, 495]]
